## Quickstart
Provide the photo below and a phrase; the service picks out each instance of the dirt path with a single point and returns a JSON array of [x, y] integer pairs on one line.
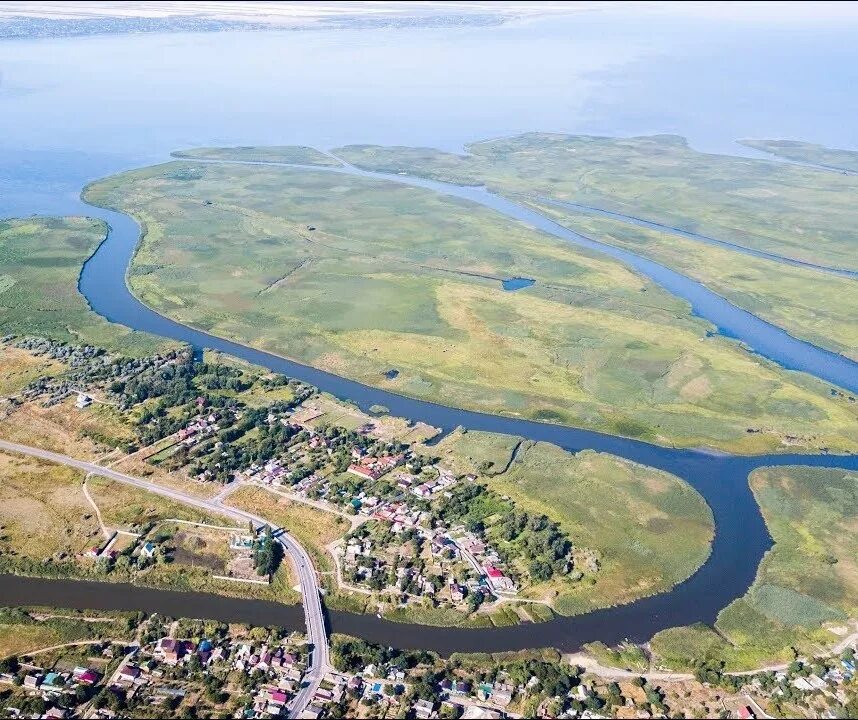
[[76, 643], [104, 530]]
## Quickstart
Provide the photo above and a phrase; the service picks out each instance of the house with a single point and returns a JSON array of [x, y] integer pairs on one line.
[[32, 681], [746, 713], [53, 682], [423, 709], [83, 401], [366, 472], [148, 550], [313, 712], [461, 687], [56, 713], [129, 673], [86, 676], [277, 697], [456, 593]]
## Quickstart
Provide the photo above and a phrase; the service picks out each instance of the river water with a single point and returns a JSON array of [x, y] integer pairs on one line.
[[77, 109]]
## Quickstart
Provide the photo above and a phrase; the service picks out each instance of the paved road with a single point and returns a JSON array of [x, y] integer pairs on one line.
[[314, 617]]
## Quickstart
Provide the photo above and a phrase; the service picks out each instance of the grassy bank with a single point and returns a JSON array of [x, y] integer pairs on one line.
[[648, 530], [806, 152], [808, 304], [40, 261], [800, 212], [808, 581], [28, 629], [399, 278]]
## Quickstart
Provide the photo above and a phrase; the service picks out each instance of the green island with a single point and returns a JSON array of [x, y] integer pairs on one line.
[[806, 152], [360, 277], [806, 588], [807, 303], [282, 154], [40, 261], [799, 212]]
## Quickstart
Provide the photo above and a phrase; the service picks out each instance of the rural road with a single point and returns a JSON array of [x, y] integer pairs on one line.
[[316, 633]]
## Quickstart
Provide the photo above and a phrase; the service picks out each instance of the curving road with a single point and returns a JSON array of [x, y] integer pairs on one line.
[[314, 617]]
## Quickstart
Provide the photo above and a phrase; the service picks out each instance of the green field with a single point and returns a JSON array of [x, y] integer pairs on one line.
[[25, 629], [649, 530], [807, 153], [807, 582], [394, 277], [283, 154], [40, 261], [809, 304], [800, 212]]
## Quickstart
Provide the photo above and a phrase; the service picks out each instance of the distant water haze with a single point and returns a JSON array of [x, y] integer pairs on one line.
[[73, 109]]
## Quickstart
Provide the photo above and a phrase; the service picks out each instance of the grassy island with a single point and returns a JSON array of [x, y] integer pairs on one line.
[[807, 586], [40, 261], [401, 288], [801, 213]]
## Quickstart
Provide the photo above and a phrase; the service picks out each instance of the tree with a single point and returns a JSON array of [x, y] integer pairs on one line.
[[267, 553]]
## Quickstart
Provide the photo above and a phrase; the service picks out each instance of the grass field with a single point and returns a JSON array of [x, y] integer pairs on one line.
[[43, 512], [790, 210], [18, 368], [399, 278], [806, 152], [649, 529], [129, 508], [84, 434], [284, 154], [807, 582], [812, 305], [21, 632], [40, 261], [313, 528]]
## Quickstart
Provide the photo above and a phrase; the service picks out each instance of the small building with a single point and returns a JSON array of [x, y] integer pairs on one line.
[[148, 550], [129, 673], [423, 709], [83, 401], [241, 542], [86, 676]]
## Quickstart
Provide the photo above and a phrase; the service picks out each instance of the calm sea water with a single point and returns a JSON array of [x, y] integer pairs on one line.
[[75, 109]]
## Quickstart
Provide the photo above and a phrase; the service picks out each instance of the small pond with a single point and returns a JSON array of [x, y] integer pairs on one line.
[[517, 283]]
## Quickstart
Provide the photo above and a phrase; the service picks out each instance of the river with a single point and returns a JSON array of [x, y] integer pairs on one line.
[[740, 539]]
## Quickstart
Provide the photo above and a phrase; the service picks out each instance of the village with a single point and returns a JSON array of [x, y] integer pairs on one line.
[[409, 541], [416, 532], [198, 669]]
